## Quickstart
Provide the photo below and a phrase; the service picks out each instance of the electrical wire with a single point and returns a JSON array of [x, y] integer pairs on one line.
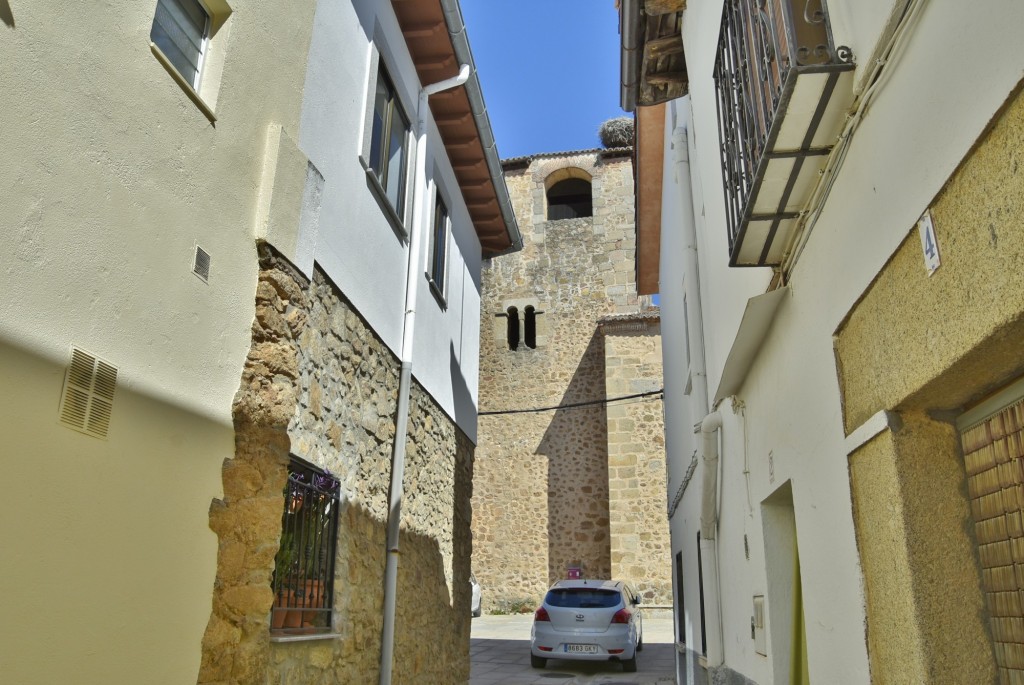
[[574, 405]]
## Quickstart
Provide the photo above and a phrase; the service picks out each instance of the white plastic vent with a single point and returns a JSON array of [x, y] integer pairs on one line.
[[88, 398], [201, 264]]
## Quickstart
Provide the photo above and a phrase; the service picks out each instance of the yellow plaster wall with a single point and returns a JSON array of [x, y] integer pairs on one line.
[[967, 318], [893, 639], [111, 177], [927, 346], [926, 614]]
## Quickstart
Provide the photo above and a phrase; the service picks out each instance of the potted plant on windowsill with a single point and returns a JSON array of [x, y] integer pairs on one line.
[[300, 583]]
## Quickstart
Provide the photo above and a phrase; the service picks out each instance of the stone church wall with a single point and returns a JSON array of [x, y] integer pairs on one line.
[[542, 479]]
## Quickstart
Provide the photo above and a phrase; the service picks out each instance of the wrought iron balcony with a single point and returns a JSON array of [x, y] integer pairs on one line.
[[783, 91]]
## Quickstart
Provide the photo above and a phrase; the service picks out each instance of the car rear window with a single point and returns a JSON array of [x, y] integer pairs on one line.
[[582, 598]]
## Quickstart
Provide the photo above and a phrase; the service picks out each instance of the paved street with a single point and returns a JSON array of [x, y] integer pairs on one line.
[[500, 654]]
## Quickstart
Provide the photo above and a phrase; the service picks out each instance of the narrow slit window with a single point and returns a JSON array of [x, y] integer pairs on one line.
[[513, 328], [530, 327], [439, 246], [700, 583]]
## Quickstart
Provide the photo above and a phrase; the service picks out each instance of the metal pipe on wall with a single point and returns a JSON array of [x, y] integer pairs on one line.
[[412, 280]]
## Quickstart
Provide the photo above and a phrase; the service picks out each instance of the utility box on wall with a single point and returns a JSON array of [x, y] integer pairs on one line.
[[757, 626]]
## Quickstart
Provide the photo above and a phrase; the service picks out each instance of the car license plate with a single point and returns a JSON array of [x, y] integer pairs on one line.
[[581, 649]]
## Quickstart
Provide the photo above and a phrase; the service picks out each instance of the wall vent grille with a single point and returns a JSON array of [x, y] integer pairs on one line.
[[87, 402], [201, 264]]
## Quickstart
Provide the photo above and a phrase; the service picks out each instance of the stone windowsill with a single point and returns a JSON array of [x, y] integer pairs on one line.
[[305, 638]]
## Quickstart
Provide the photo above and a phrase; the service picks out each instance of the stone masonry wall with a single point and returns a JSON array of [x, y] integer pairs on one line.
[[319, 384], [641, 549], [541, 480]]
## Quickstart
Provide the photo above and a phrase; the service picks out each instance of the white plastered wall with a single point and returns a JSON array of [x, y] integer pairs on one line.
[[357, 246], [111, 176], [960, 64]]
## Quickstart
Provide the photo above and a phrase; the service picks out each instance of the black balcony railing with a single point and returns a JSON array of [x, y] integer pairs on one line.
[[765, 48]]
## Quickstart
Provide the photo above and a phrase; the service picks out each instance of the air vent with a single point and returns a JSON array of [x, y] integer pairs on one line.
[[88, 398], [201, 264]]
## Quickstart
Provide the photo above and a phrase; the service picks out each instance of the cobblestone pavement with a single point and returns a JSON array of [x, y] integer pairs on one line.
[[500, 655]]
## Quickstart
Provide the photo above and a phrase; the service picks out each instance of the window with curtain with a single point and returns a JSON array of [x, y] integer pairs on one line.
[[181, 29]]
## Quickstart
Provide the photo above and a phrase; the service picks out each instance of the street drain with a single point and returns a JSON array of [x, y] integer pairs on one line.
[[557, 675]]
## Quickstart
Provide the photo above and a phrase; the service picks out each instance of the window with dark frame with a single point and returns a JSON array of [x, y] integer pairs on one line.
[[513, 328], [681, 600], [570, 199], [530, 327], [439, 246], [389, 142], [181, 29], [700, 583], [303, 582]]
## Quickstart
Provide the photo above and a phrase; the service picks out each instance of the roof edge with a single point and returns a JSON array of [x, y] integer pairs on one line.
[[464, 55]]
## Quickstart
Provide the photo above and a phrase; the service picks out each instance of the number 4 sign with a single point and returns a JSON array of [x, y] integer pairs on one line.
[[928, 242]]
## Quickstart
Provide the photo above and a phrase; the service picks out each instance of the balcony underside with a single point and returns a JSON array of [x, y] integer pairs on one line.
[[808, 121]]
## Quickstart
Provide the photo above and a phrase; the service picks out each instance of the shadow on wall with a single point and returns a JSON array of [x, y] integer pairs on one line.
[[5, 13], [465, 407], [576, 447], [127, 511]]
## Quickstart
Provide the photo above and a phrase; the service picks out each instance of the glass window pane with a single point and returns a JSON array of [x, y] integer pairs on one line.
[[394, 183], [439, 243], [382, 100], [179, 27]]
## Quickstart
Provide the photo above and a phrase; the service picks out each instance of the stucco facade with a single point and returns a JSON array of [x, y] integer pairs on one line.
[[581, 486], [844, 514], [206, 285]]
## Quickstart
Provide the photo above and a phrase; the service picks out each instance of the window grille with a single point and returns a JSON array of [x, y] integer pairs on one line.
[[180, 30], [303, 581], [389, 142]]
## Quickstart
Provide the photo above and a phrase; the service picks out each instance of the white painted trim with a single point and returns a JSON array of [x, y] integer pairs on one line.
[[1006, 397], [880, 421]]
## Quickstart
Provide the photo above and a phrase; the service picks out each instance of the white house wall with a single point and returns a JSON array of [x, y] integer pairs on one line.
[[111, 176], [352, 221], [959, 66]]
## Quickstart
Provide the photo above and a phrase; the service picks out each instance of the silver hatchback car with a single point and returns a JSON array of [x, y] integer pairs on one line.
[[593, 620]]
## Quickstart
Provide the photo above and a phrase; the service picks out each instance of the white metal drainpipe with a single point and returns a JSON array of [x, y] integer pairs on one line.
[[412, 280], [708, 424]]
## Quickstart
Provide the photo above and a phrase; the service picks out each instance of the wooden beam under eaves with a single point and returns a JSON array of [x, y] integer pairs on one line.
[[436, 62], [423, 30], [653, 7], [668, 78], [452, 118], [661, 47]]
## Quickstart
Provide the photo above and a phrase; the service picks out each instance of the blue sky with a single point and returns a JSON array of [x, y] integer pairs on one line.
[[549, 70]]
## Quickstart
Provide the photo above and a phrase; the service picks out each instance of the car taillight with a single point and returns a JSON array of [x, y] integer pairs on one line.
[[621, 616], [541, 615]]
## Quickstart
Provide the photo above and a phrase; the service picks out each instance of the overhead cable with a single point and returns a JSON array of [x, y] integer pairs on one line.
[[573, 405]]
